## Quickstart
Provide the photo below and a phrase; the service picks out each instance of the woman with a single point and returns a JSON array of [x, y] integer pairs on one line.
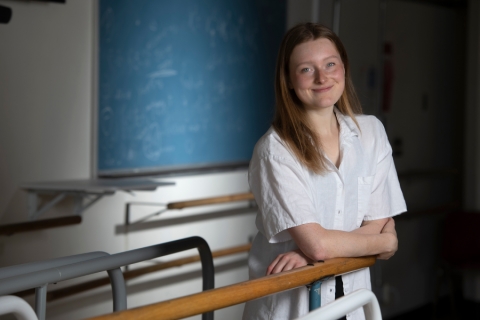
[[323, 176]]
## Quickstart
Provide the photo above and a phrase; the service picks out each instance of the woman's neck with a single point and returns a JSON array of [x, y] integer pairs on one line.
[[323, 121], [325, 124]]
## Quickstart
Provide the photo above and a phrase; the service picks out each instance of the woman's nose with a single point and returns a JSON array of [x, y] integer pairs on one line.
[[320, 77]]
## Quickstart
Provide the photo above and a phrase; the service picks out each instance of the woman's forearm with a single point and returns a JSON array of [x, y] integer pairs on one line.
[[318, 243], [371, 227]]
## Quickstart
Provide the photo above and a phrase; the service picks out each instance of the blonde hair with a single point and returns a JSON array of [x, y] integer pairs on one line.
[[290, 121]]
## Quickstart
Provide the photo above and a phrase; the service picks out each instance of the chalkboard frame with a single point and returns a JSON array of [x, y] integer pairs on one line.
[[163, 170], [167, 171]]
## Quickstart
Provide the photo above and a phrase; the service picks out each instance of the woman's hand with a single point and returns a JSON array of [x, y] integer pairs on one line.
[[391, 237], [288, 261]]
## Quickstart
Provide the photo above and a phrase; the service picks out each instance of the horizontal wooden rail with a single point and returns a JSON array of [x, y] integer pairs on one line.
[[214, 200], [128, 275], [10, 229], [241, 292]]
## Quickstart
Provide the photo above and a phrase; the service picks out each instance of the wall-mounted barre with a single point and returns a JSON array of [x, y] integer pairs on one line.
[[214, 200], [13, 228], [241, 292], [247, 196]]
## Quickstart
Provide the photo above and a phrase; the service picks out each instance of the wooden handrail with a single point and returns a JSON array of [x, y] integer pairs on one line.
[[9, 229], [128, 275], [214, 200], [241, 292]]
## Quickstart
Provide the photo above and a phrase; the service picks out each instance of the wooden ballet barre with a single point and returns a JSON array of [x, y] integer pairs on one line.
[[214, 200], [219, 298], [10, 229], [131, 274]]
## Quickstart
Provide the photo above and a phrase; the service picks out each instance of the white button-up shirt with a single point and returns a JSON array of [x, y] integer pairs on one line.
[[364, 187]]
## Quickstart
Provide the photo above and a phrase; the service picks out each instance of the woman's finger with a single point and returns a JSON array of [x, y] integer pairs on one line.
[[273, 264], [290, 265], [280, 264]]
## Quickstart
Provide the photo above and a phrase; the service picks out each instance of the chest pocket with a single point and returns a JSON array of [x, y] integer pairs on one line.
[[363, 197]]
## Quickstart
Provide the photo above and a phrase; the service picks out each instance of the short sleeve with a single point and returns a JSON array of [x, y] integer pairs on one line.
[[282, 194], [386, 199]]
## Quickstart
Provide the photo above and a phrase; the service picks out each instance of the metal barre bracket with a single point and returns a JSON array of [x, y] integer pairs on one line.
[[35, 210]]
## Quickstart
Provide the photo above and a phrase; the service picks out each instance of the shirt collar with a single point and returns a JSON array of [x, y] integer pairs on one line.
[[347, 126]]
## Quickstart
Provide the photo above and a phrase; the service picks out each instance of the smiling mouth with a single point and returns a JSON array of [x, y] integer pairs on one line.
[[320, 90]]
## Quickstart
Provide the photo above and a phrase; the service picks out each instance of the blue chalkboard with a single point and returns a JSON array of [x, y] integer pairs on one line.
[[184, 84]]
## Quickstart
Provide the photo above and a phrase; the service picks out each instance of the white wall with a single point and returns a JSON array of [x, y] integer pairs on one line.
[[46, 94]]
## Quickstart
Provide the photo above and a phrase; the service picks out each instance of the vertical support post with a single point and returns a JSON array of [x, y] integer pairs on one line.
[[208, 271], [315, 11], [314, 295], [127, 214], [127, 224], [41, 301], [336, 16], [119, 291]]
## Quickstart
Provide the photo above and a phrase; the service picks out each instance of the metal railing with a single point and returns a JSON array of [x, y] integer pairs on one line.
[[65, 292], [39, 274], [41, 278], [346, 304]]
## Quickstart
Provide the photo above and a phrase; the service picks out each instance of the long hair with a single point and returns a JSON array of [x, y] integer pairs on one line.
[[290, 119]]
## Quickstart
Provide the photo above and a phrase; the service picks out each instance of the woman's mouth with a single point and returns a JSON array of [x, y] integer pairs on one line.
[[321, 90]]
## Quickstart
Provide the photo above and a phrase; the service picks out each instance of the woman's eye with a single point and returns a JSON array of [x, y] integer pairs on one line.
[[305, 70], [330, 64]]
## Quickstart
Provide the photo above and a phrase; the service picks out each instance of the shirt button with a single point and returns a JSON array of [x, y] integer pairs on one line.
[[331, 290], [338, 211]]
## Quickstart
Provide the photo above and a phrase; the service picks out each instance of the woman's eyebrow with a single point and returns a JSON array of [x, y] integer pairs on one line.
[[313, 61], [332, 56]]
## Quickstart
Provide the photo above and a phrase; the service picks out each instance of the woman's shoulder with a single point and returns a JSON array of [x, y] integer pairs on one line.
[[367, 120], [372, 134], [370, 126], [272, 145]]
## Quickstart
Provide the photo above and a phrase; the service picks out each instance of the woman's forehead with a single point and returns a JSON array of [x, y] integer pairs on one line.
[[318, 49]]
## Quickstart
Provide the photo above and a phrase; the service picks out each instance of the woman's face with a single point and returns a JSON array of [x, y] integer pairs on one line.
[[317, 74]]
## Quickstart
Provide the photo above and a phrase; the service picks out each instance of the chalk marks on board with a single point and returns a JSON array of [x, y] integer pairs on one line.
[[163, 73], [153, 144], [183, 83]]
